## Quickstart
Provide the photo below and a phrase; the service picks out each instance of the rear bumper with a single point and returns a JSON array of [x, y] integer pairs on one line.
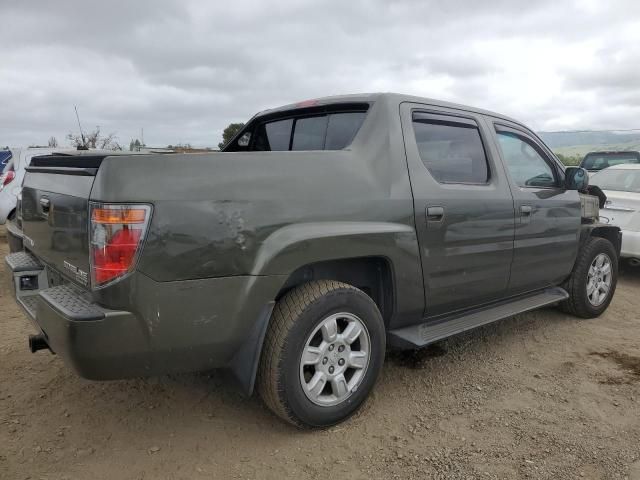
[[14, 237], [96, 342], [630, 244], [172, 326]]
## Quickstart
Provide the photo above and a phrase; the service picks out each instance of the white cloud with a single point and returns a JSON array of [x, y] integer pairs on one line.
[[183, 70]]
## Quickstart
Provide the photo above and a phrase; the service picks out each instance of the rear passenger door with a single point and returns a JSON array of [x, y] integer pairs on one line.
[[463, 207], [547, 216]]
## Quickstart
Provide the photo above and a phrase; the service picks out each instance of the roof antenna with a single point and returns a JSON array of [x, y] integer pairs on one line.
[[84, 142]]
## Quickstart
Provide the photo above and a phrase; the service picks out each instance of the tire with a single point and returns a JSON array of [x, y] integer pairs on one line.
[[579, 302], [295, 329]]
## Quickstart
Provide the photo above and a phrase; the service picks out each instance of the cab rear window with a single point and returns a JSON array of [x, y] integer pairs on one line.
[[317, 130]]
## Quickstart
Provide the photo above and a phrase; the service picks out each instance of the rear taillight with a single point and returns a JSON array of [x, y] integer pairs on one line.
[[117, 233], [7, 178]]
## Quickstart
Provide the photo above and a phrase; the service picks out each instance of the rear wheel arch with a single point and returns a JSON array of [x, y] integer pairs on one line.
[[372, 274], [283, 380]]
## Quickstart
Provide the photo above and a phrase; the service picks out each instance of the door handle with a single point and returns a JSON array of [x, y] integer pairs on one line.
[[435, 214], [525, 213], [45, 203]]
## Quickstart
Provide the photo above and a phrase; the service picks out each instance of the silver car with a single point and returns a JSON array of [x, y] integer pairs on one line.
[[621, 184]]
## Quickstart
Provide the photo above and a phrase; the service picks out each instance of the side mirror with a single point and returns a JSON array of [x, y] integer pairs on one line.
[[576, 178]]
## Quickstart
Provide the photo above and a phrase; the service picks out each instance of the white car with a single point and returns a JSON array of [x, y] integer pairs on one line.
[[621, 185], [12, 175]]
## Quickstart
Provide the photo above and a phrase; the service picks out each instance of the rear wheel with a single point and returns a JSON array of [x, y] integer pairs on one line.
[[322, 354], [593, 280]]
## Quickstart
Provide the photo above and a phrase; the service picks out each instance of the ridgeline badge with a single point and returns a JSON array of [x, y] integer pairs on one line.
[[80, 275]]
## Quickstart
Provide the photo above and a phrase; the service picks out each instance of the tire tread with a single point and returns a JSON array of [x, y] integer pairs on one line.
[[576, 304], [287, 311]]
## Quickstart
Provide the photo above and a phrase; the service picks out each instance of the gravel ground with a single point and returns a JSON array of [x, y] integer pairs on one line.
[[541, 395]]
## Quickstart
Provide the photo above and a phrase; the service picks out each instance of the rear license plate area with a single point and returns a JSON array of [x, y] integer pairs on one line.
[[54, 278]]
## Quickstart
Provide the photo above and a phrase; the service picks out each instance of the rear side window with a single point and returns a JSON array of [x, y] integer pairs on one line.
[[451, 149], [323, 131]]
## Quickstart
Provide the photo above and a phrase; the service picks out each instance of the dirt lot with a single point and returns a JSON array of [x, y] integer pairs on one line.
[[541, 395]]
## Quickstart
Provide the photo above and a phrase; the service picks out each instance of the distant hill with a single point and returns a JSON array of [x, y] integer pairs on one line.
[[569, 139]]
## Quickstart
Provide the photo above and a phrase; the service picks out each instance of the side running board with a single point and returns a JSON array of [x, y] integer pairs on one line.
[[420, 335]]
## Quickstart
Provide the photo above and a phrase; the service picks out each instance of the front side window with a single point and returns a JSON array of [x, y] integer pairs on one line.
[[451, 151], [527, 166]]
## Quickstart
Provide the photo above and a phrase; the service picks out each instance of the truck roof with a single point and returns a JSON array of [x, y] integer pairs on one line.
[[389, 96]]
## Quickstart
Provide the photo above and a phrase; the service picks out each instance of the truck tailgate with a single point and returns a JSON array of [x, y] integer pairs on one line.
[[55, 206]]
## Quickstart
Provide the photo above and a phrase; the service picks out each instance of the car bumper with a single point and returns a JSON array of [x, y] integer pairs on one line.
[[630, 244], [173, 327], [96, 342]]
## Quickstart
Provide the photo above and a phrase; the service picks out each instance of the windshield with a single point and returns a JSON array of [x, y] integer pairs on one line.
[[599, 161], [622, 180]]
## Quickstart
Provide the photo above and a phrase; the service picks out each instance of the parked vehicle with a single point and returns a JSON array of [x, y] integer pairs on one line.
[[596, 161], [5, 156], [621, 184], [324, 232], [11, 179]]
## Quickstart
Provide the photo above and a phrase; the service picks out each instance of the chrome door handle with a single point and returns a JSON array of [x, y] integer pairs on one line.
[[525, 213], [435, 214], [45, 203], [525, 210]]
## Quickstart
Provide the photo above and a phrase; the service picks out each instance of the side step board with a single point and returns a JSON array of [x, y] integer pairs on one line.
[[416, 336]]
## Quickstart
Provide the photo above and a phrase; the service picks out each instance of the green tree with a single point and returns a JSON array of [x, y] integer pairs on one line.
[[229, 133], [569, 160]]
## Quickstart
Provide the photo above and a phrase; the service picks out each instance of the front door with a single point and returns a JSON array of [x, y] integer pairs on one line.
[[464, 210], [547, 215]]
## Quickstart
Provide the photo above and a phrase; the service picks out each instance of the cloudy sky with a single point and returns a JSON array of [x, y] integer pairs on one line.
[[184, 69]]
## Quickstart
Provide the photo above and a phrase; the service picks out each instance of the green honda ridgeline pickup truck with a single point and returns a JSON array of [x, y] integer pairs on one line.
[[323, 233]]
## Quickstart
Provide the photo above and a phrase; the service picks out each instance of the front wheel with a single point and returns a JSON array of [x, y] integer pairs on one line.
[[322, 354], [593, 280]]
